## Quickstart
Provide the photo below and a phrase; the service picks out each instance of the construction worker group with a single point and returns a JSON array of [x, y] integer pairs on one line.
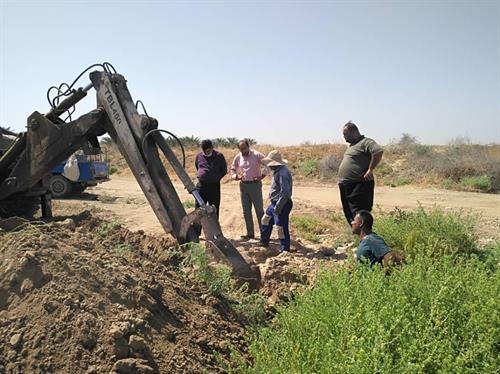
[[249, 167]]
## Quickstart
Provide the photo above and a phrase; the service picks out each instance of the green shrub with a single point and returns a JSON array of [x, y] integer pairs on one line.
[[490, 254], [217, 279], [113, 170], [449, 184], [108, 227], [123, 248], [482, 183], [336, 216], [432, 316], [308, 167], [308, 227], [433, 233], [248, 306], [403, 181]]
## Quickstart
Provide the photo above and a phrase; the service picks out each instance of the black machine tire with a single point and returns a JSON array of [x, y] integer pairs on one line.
[[59, 186]]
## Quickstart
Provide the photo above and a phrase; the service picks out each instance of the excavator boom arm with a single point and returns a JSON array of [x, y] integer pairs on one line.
[[50, 140]]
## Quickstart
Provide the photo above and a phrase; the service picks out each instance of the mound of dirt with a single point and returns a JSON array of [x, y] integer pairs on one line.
[[75, 298]]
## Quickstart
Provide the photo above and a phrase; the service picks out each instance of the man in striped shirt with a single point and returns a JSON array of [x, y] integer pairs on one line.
[[247, 168]]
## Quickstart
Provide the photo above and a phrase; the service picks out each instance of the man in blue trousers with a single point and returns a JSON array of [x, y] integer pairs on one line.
[[280, 195]]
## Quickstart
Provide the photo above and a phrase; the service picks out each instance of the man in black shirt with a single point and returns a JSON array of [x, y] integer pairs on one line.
[[210, 169]]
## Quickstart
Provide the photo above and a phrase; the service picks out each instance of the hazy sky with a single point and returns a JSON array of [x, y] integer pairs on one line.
[[282, 72]]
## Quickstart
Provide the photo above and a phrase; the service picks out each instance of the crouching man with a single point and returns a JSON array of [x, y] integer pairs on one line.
[[278, 212], [372, 247]]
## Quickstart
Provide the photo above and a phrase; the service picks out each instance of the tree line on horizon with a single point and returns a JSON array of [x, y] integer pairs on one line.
[[195, 141]]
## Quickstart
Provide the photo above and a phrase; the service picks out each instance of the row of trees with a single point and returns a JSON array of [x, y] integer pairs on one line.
[[195, 142]]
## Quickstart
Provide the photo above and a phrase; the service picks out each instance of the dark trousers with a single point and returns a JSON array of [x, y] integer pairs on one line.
[[210, 193], [281, 221], [356, 196], [251, 194]]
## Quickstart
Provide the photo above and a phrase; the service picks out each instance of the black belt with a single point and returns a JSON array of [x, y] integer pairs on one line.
[[248, 182]]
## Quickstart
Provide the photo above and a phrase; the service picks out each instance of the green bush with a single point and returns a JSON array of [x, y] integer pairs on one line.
[[449, 184], [336, 216], [123, 248], [432, 316], [248, 306], [433, 233], [482, 183], [403, 181], [308, 167], [308, 227], [217, 279], [107, 228]]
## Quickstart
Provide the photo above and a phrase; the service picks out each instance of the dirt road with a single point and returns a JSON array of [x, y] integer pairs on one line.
[[133, 210]]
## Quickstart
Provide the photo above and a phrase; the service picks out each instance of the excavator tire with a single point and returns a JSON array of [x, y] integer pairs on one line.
[[19, 206]]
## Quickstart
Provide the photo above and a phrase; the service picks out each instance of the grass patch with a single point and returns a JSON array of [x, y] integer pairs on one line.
[[308, 167], [308, 227], [402, 181], [248, 306], [336, 217], [432, 233], [123, 248], [108, 227], [481, 183], [450, 184], [432, 316], [217, 279], [437, 314]]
